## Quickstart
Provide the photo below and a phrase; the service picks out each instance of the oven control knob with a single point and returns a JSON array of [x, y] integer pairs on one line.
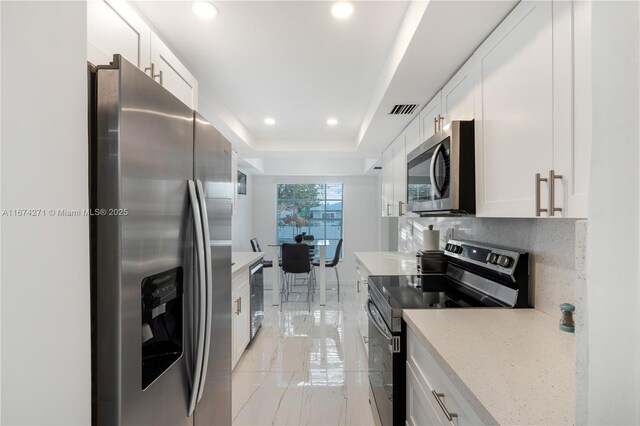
[[504, 261], [493, 258], [449, 247], [457, 249]]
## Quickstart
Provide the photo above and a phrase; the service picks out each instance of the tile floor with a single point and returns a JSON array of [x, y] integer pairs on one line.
[[305, 368]]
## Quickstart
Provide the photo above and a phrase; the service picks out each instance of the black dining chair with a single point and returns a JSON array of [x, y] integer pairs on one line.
[[255, 245], [295, 260], [333, 263]]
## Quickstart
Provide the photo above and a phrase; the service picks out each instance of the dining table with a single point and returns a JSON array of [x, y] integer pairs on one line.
[[322, 270]]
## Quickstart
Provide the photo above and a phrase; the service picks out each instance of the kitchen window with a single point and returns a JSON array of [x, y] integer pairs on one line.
[[316, 209]]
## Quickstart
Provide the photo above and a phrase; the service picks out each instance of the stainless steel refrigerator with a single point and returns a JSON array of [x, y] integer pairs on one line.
[[161, 196]]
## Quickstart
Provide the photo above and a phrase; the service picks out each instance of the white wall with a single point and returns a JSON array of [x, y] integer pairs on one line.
[[360, 226], [46, 377], [242, 220], [613, 323]]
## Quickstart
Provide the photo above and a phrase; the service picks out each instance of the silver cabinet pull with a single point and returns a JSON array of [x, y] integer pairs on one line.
[[539, 180], [435, 124], [388, 206], [438, 397], [357, 286], [552, 192], [238, 306], [400, 203], [152, 72], [440, 120]]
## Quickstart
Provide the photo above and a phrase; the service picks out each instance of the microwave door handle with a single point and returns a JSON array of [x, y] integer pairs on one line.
[[200, 255], [432, 171], [209, 286]]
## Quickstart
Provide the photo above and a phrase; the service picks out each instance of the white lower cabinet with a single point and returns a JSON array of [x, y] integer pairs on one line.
[[241, 314], [421, 408], [432, 398]]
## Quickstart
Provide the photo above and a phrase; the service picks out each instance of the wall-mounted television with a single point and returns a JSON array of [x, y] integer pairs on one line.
[[242, 183]]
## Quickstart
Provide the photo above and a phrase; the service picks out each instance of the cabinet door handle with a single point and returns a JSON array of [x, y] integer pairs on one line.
[[400, 203], [388, 206], [438, 397], [152, 72], [435, 124], [552, 192], [238, 305], [151, 69], [539, 180], [357, 286]]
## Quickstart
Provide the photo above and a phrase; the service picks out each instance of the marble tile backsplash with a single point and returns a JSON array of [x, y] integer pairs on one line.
[[551, 244]]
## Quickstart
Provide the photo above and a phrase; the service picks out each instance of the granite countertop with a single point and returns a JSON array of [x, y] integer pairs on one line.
[[243, 259], [516, 363], [388, 262]]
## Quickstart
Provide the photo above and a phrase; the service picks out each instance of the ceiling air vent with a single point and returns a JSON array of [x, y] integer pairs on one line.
[[403, 109]]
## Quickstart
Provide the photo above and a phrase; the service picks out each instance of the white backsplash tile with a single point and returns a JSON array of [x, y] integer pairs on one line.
[[551, 244]]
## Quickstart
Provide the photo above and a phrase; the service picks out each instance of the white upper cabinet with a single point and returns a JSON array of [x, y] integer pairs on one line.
[[387, 181], [572, 149], [172, 74], [399, 176], [114, 27], [412, 135], [428, 117], [457, 95], [514, 112], [533, 112]]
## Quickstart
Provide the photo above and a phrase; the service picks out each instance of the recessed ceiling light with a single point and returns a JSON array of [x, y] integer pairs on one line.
[[269, 121], [205, 10], [342, 9], [332, 121]]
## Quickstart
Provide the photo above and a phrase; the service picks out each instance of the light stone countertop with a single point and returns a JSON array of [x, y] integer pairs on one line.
[[516, 363], [243, 259], [388, 262]]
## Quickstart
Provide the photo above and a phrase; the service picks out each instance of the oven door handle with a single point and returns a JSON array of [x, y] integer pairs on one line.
[[372, 318], [432, 171]]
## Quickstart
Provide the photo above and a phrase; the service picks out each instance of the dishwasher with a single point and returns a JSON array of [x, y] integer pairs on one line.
[[256, 282]]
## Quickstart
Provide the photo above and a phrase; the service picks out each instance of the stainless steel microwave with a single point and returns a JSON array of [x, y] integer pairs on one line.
[[441, 173]]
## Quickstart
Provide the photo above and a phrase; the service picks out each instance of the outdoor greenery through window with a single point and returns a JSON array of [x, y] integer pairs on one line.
[[315, 209]]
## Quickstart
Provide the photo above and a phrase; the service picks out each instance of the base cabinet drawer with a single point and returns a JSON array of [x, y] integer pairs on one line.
[[420, 406], [440, 390]]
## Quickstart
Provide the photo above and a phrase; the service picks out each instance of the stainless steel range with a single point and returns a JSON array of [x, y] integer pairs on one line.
[[477, 275]]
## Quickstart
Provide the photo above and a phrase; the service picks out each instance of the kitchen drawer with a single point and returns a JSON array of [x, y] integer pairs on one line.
[[426, 368], [421, 407]]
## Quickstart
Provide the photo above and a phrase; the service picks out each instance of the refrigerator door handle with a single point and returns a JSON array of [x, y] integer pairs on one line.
[[200, 255], [209, 285]]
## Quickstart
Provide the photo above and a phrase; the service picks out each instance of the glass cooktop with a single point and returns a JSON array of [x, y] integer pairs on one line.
[[428, 291]]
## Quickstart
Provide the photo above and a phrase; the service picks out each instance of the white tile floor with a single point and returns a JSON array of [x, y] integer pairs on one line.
[[305, 368]]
